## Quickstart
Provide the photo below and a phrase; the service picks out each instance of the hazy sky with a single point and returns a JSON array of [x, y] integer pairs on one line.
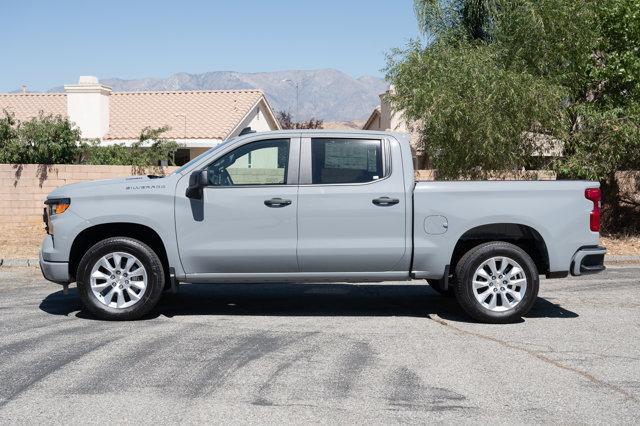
[[50, 43]]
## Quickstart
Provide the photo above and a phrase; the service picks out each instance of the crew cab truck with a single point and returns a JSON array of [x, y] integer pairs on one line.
[[309, 206]]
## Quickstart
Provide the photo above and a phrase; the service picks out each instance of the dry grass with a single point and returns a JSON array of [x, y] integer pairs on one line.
[[624, 245], [21, 241]]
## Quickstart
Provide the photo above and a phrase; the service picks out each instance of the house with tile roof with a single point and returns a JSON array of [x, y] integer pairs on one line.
[[384, 117], [196, 119]]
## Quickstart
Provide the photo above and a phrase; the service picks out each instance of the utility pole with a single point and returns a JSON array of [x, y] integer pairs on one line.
[[297, 86]]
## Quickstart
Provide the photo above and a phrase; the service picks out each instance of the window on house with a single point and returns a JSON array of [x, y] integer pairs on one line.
[[345, 160], [256, 163]]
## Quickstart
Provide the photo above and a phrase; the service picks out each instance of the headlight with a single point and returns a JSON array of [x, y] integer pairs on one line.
[[58, 205], [54, 206]]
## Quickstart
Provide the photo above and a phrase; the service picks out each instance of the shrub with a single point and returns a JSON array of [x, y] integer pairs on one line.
[[49, 139], [45, 139]]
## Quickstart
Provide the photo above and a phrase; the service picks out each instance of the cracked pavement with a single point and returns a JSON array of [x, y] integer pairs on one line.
[[321, 353]]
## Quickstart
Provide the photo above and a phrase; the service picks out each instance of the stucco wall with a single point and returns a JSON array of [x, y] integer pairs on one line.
[[259, 119]]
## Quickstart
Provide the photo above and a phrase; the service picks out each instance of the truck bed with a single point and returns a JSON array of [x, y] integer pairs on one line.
[[445, 211]]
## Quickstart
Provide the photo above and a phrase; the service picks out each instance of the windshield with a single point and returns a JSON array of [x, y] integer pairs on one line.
[[201, 156]]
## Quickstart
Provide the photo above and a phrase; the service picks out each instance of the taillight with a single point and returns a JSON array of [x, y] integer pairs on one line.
[[593, 194]]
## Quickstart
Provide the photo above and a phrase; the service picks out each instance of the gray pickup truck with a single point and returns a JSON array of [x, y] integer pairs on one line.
[[309, 206]]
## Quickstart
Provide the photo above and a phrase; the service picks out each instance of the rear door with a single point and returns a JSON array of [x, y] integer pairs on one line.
[[351, 206]]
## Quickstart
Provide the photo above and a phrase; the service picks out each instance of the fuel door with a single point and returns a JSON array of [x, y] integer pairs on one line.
[[435, 225]]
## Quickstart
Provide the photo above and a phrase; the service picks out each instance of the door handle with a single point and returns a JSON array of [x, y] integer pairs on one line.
[[277, 202], [385, 201]]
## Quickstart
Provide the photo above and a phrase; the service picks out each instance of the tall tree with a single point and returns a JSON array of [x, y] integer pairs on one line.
[[494, 71], [471, 18]]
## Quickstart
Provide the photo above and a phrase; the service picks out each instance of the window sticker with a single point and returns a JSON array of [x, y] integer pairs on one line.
[[348, 156]]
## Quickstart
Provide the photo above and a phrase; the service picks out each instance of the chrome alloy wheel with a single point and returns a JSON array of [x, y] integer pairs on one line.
[[118, 280], [499, 284]]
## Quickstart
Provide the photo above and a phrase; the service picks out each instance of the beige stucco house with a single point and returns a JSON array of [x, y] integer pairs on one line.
[[385, 118], [197, 119]]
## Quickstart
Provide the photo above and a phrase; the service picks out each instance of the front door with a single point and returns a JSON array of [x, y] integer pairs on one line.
[[246, 220]]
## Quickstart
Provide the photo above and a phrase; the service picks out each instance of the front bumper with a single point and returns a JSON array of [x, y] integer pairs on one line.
[[58, 272], [588, 260]]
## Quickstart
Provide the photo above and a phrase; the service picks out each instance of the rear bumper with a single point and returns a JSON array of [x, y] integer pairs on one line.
[[588, 260], [58, 272]]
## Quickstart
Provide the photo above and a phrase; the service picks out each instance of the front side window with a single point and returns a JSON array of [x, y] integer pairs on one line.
[[345, 160], [256, 163]]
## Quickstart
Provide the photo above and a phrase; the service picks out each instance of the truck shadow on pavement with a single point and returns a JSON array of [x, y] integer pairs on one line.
[[291, 299]]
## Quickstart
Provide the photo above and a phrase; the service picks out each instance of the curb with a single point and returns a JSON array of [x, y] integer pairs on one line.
[[619, 258], [36, 262], [19, 262]]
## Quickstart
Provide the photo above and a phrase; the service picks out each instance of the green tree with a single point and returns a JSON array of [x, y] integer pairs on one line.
[[605, 132], [566, 71], [469, 19], [286, 122], [46, 139], [615, 72], [488, 58], [8, 135], [471, 111], [49, 139]]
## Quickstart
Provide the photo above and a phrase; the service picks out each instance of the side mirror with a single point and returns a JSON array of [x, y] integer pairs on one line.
[[197, 180]]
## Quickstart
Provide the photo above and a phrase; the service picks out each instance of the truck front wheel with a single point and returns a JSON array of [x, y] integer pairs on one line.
[[120, 278], [497, 282]]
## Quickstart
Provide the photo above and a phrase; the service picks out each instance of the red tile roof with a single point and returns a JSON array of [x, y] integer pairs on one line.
[[29, 105], [207, 114], [189, 114]]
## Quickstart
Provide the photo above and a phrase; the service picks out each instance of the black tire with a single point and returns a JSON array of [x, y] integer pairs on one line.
[[449, 292], [146, 256], [472, 260]]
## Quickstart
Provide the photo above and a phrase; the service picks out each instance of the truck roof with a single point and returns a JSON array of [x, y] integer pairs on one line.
[[330, 132]]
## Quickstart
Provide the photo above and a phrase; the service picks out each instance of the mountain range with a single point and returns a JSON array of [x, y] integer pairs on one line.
[[326, 94]]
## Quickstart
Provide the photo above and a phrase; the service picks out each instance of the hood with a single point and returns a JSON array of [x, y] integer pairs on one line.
[[95, 187]]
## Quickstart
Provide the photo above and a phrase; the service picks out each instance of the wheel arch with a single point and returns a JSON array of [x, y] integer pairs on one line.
[[93, 234], [523, 236]]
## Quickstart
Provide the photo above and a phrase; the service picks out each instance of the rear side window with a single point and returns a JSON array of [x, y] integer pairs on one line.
[[345, 160]]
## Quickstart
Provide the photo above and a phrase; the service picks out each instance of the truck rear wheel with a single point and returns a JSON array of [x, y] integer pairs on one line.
[[497, 282], [120, 278]]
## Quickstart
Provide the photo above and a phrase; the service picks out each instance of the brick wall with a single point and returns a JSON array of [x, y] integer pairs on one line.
[[430, 174], [23, 189]]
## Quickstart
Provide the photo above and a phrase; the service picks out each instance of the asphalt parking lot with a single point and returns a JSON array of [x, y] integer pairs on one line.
[[326, 353]]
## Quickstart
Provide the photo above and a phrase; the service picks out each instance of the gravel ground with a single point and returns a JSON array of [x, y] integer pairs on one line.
[[326, 353]]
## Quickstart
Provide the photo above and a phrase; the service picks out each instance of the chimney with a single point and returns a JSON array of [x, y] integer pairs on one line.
[[386, 112], [88, 106]]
